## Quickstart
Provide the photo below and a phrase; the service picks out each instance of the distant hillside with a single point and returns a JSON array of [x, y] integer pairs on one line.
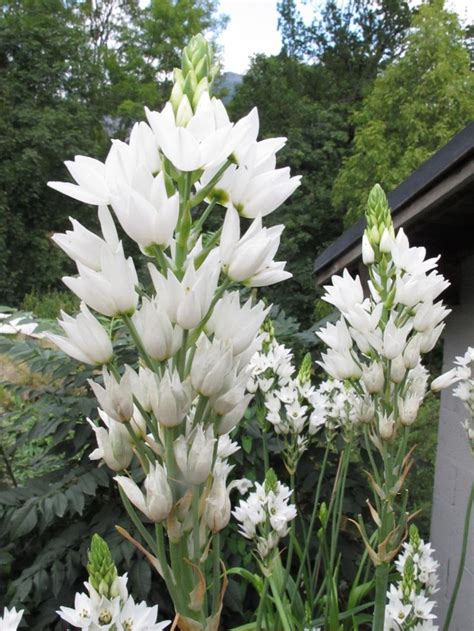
[[227, 84]]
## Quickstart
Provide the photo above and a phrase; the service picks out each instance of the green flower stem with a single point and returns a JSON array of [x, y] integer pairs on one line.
[[136, 520], [216, 572], [138, 342], [462, 560], [196, 524], [202, 256], [139, 446], [204, 192], [311, 524], [381, 584], [282, 614], [162, 557], [184, 223], [197, 227], [197, 332], [261, 605], [181, 358], [340, 489], [289, 557], [160, 259]]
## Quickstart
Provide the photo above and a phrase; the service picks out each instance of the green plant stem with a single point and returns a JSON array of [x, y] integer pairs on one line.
[[289, 557], [462, 560], [162, 557], [200, 222], [279, 606], [216, 571], [204, 192], [311, 523], [381, 584], [138, 342], [261, 605], [136, 520], [197, 332]]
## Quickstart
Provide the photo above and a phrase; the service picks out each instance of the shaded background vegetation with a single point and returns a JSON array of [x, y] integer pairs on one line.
[[361, 97]]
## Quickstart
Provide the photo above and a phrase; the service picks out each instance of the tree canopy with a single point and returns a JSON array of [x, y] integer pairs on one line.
[[417, 104]]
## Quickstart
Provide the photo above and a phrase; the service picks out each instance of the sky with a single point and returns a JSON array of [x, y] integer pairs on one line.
[[252, 29]]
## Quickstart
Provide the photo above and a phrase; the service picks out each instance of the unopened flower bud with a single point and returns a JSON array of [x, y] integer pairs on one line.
[[157, 501], [397, 369], [171, 400], [115, 398], [373, 377], [368, 254], [386, 426], [411, 354], [408, 409], [194, 455]]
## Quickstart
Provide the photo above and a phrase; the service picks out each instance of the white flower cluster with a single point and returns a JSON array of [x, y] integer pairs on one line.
[[193, 336], [94, 612], [188, 313], [378, 341], [11, 619], [336, 406], [463, 375], [265, 516], [286, 397], [409, 605], [271, 368]]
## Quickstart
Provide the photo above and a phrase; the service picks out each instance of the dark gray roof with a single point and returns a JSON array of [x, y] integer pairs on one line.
[[458, 150]]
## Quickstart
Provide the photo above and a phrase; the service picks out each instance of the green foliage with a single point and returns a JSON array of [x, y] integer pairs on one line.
[[424, 437], [61, 497], [45, 79], [312, 105], [316, 144], [49, 304], [417, 104]]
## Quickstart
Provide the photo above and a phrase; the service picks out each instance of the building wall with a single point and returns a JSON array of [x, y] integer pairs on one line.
[[454, 470]]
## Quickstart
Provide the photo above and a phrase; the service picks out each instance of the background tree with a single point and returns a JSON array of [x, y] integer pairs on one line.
[[309, 93], [417, 105]]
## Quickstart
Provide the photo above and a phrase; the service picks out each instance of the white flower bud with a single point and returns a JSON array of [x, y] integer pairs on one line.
[[231, 419], [411, 354], [373, 377], [114, 444], [394, 339], [115, 398], [386, 426], [217, 511], [194, 454], [211, 364], [157, 501], [368, 254], [445, 380], [397, 369], [160, 339], [408, 409], [386, 242], [171, 400]]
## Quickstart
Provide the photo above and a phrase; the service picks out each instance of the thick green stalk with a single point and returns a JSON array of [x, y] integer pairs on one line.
[[462, 560], [381, 584], [261, 606]]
